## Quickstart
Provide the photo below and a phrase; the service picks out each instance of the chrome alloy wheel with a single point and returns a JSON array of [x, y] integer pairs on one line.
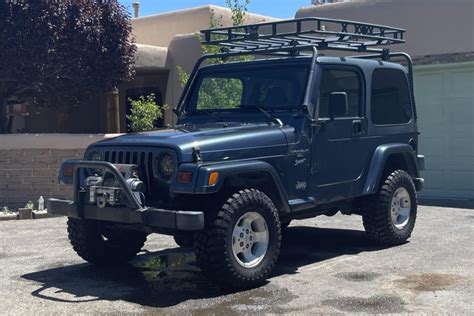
[[250, 239], [401, 208]]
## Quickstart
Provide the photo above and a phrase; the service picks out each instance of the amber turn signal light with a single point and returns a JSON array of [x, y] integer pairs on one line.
[[213, 177], [185, 177]]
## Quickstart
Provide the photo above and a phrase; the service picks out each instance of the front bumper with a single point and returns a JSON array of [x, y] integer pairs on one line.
[[132, 213], [159, 218]]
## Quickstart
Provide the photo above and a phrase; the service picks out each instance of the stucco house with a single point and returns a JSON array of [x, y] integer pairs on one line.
[[164, 41]]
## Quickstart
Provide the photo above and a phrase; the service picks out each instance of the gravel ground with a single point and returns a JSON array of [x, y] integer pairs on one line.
[[326, 266]]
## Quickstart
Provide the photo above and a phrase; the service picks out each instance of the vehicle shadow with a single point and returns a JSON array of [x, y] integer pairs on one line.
[[168, 277]]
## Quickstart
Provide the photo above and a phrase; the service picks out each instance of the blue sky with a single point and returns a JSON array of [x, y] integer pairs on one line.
[[275, 8]]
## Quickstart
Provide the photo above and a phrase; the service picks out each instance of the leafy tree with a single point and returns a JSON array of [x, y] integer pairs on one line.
[[144, 113], [59, 53], [220, 93], [238, 10], [238, 13]]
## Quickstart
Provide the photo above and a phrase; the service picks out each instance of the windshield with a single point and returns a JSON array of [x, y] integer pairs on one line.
[[271, 88]]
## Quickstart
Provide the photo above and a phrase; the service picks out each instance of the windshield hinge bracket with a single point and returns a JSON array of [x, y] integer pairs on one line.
[[197, 153]]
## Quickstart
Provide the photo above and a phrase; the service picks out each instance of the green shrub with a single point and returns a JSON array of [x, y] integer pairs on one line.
[[144, 113]]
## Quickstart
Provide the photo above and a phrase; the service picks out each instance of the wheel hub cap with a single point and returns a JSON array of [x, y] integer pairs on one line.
[[250, 239], [400, 208]]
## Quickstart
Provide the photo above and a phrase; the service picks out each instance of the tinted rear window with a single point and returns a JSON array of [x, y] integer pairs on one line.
[[391, 101]]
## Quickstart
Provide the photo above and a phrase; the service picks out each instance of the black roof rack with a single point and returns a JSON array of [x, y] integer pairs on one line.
[[293, 36]]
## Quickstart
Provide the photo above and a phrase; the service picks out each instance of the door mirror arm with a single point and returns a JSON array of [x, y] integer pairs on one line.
[[315, 124]]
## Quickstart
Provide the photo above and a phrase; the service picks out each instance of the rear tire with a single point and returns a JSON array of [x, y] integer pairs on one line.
[[393, 219], [240, 245], [100, 246]]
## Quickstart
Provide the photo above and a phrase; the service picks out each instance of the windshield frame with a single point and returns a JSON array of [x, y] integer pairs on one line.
[[301, 62]]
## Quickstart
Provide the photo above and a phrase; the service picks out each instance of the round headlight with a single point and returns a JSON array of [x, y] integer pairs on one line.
[[94, 156], [166, 165]]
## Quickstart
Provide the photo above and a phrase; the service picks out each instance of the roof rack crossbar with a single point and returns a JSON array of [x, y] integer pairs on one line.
[[321, 33]]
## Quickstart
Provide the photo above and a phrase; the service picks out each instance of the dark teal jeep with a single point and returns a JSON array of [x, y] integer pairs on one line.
[[258, 143]]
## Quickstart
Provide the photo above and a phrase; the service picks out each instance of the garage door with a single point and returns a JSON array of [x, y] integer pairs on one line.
[[445, 98]]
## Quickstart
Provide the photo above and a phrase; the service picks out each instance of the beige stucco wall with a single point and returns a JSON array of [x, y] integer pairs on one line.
[[185, 50], [50, 141], [433, 26], [160, 29], [151, 57]]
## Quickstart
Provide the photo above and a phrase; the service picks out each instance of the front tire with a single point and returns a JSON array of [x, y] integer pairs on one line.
[[285, 225], [240, 246], [393, 219], [102, 245], [184, 240]]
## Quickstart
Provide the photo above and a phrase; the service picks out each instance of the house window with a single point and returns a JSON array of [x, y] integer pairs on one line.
[[391, 100]]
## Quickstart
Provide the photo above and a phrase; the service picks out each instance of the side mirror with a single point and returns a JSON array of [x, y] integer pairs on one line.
[[338, 104]]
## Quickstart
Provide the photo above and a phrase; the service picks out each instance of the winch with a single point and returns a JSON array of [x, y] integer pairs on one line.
[[102, 188]]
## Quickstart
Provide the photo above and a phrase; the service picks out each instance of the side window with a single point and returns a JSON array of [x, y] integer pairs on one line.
[[220, 93], [340, 81], [391, 101]]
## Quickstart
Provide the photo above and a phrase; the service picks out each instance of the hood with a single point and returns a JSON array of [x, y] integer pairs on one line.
[[215, 142]]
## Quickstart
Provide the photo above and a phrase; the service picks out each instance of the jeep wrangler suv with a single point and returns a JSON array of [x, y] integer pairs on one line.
[[258, 143]]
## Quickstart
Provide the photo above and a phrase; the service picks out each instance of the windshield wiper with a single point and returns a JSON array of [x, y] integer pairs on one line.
[[267, 114], [214, 115]]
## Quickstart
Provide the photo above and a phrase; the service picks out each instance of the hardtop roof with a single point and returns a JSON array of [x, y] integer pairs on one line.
[[364, 64]]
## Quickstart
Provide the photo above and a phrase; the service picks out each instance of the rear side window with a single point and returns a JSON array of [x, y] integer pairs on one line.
[[340, 81], [391, 101]]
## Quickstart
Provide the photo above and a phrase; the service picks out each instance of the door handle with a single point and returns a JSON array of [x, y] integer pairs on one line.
[[357, 128]]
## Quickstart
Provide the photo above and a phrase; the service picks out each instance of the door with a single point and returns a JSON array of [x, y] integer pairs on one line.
[[338, 151], [445, 103]]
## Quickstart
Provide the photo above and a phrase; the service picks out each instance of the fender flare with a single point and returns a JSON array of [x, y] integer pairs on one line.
[[379, 159], [201, 175]]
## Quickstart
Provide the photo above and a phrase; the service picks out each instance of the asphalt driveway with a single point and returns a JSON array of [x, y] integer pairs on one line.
[[326, 266]]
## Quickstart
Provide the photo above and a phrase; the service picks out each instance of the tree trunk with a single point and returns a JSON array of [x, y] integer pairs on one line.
[[3, 116], [62, 121], [113, 111], [11, 120]]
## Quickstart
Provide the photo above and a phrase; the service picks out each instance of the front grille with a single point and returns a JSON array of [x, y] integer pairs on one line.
[[144, 160], [157, 188]]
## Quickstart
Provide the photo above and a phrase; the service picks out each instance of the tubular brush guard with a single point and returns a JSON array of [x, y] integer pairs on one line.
[[131, 213]]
